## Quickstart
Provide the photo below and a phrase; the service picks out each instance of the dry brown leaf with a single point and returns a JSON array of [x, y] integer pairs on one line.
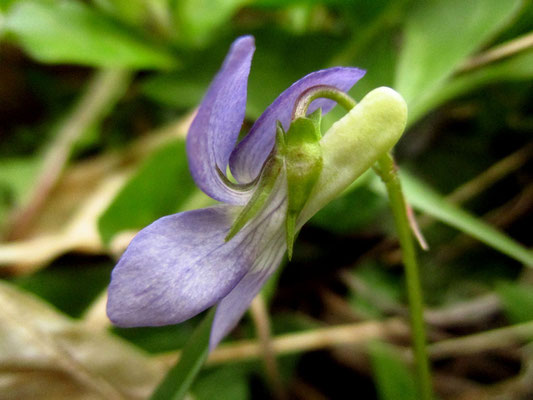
[[44, 354]]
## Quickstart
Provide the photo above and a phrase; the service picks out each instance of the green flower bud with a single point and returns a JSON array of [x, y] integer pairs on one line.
[[354, 143], [303, 164]]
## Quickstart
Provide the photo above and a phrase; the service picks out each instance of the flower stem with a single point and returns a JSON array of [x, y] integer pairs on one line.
[[386, 169]]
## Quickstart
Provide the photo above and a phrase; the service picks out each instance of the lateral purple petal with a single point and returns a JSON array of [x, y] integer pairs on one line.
[[215, 129], [250, 154], [232, 307], [177, 267]]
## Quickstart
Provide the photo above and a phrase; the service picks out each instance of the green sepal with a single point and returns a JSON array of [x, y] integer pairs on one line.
[[303, 163]]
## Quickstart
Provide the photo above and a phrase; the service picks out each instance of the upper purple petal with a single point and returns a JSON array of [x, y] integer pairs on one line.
[[248, 158], [215, 129]]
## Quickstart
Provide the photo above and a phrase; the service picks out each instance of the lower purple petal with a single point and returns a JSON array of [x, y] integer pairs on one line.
[[232, 307], [181, 264], [177, 267]]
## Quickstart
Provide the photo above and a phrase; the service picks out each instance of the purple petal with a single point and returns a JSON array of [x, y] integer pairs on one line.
[[215, 129], [234, 305], [177, 267], [247, 159], [180, 265]]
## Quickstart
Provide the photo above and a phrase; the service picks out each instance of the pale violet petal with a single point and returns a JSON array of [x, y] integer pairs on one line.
[[215, 129], [232, 307], [181, 264]]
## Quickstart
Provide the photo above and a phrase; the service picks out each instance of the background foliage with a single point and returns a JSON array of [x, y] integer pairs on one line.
[[95, 100]]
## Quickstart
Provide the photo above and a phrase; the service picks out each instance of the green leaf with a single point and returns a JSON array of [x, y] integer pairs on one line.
[[350, 212], [71, 32], [229, 382], [69, 289], [374, 291], [393, 379], [161, 186], [439, 35], [517, 68], [180, 378], [425, 199], [16, 178], [132, 11], [179, 90], [517, 301], [198, 20], [291, 3]]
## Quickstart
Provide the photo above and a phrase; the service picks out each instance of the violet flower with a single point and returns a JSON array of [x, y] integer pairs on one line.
[[181, 264]]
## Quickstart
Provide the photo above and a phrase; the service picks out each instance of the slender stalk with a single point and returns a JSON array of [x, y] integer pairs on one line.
[[507, 49], [359, 334], [261, 320], [388, 173], [386, 169]]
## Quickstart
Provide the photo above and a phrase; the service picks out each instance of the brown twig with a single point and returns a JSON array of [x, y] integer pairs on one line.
[[484, 341], [491, 175], [496, 53], [261, 320], [500, 217], [322, 338], [464, 313]]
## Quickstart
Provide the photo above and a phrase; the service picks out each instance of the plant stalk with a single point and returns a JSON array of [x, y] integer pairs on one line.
[[387, 170]]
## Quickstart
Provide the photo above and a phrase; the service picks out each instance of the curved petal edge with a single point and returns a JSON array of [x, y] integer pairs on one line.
[[215, 129]]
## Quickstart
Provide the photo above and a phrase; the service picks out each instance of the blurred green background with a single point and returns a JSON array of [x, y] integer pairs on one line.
[[95, 101]]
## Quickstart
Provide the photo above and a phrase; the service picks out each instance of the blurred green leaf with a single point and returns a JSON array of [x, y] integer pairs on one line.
[[69, 288], [393, 379], [127, 10], [350, 212], [16, 178], [289, 3], [161, 186], [519, 67], [229, 382], [425, 199], [280, 60], [517, 301], [198, 20], [180, 90], [374, 291], [180, 378], [439, 35], [159, 339], [71, 32]]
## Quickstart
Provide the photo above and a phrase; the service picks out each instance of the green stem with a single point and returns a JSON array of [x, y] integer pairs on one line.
[[386, 169], [321, 91], [388, 173]]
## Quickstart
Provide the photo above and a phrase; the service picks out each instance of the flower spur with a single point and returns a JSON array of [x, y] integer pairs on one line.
[[185, 263]]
